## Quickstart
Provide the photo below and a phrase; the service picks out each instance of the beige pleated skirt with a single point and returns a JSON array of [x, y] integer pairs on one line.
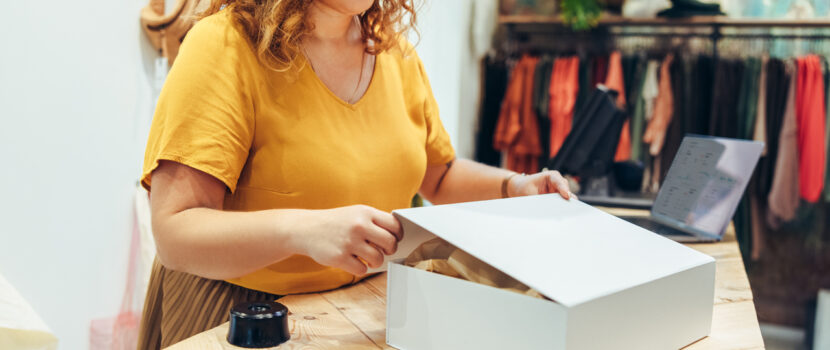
[[180, 305]]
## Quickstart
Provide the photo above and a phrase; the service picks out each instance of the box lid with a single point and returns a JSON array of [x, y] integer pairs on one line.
[[567, 250]]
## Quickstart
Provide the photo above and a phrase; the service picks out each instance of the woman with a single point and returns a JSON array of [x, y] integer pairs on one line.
[[286, 133]]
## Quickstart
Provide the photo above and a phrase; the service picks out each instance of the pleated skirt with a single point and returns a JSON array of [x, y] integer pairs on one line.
[[180, 305]]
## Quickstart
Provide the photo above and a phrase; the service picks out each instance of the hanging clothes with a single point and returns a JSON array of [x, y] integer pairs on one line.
[[827, 130], [638, 113], [585, 87], [810, 120], [777, 91], [656, 170], [655, 134], [758, 202], [746, 113], [615, 81], [494, 87], [517, 131], [509, 125], [599, 70], [703, 79], [682, 71], [783, 196], [763, 99], [564, 87], [634, 67], [629, 65], [651, 87], [634, 75], [541, 102], [760, 129], [639, 150], [528, 147], [748, 98], [681, 96], [541, 85], [756, 215], [724, 117]]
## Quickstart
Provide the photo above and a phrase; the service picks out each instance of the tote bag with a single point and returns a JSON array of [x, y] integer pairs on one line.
[[121, 331]]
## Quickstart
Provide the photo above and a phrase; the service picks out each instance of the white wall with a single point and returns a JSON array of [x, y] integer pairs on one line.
[[454, 37], [75, 105]]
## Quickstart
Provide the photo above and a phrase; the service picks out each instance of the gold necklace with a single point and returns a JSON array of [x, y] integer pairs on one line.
[[351, 100]]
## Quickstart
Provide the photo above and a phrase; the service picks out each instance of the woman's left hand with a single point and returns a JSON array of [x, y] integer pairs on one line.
[[539, 183]]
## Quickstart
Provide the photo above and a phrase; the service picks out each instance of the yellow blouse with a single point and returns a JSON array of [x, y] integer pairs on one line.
[[279, 140]]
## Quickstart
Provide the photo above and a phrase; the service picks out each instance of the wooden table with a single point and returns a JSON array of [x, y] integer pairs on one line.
[[355, 317]]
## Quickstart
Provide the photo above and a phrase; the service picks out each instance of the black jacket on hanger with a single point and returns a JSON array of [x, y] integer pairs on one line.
[[495, 86], [589, 149]]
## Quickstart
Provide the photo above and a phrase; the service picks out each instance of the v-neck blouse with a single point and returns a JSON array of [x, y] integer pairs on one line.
[[284, 140]]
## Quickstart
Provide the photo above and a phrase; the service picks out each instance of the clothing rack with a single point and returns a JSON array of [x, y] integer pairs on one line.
[[521, 28], [721, 99]]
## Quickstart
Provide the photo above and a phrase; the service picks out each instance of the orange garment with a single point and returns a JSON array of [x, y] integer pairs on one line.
[[564, 86], [517, 131], [614, 81], [284, 140], [655, 134], [810, 118], [509, 125]]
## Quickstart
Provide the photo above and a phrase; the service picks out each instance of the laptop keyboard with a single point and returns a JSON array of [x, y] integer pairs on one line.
[[656, 227]]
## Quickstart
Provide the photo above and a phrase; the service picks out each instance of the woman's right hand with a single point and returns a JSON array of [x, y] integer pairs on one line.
[[342, 237]]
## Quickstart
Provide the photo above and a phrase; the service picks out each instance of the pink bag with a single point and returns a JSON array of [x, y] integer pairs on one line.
[[121, 332]]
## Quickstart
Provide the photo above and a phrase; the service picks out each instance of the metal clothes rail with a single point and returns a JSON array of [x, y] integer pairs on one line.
[[521, 29]]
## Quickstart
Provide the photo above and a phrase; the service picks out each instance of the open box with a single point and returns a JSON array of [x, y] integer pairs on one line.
[[611, 284]]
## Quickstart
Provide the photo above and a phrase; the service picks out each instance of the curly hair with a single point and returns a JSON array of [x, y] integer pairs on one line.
[[276, 27]]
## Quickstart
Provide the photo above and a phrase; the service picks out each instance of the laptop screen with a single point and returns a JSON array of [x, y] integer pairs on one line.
[[705, 183]]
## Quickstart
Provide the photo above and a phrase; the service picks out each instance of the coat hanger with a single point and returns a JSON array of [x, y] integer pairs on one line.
[[166, 31], [153, 15]]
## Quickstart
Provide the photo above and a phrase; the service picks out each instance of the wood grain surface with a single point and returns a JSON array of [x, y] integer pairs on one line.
[[354, 317]]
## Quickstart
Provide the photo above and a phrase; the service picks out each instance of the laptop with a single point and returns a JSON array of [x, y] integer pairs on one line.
[[621, 199], [702, 189]]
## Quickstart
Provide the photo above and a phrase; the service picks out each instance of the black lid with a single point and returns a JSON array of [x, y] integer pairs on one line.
[[260, 324]]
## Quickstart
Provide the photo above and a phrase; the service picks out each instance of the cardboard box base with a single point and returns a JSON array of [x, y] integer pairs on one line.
[[431, 311], [426, 310]]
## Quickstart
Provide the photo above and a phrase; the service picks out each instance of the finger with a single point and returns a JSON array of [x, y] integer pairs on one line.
[[564, 188], [385, 240], [354, 266], [560, 184], [370, 255], [388, 222]]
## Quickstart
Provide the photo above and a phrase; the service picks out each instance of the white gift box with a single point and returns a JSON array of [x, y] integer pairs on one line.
[[611, 284]]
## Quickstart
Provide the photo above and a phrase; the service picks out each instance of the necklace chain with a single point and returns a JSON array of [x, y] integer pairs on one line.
[[359, 78], [362, 67]]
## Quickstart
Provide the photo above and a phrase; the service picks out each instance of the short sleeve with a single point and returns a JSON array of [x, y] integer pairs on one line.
[[205, 114], [438, 146]]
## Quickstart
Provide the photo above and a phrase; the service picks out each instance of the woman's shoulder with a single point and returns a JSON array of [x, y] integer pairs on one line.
[[405, 58], [217, 44], [219, 31], [403, 51]]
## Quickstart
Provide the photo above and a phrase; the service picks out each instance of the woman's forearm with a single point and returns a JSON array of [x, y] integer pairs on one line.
[[465, 181], [195, 235], [220, 244]]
